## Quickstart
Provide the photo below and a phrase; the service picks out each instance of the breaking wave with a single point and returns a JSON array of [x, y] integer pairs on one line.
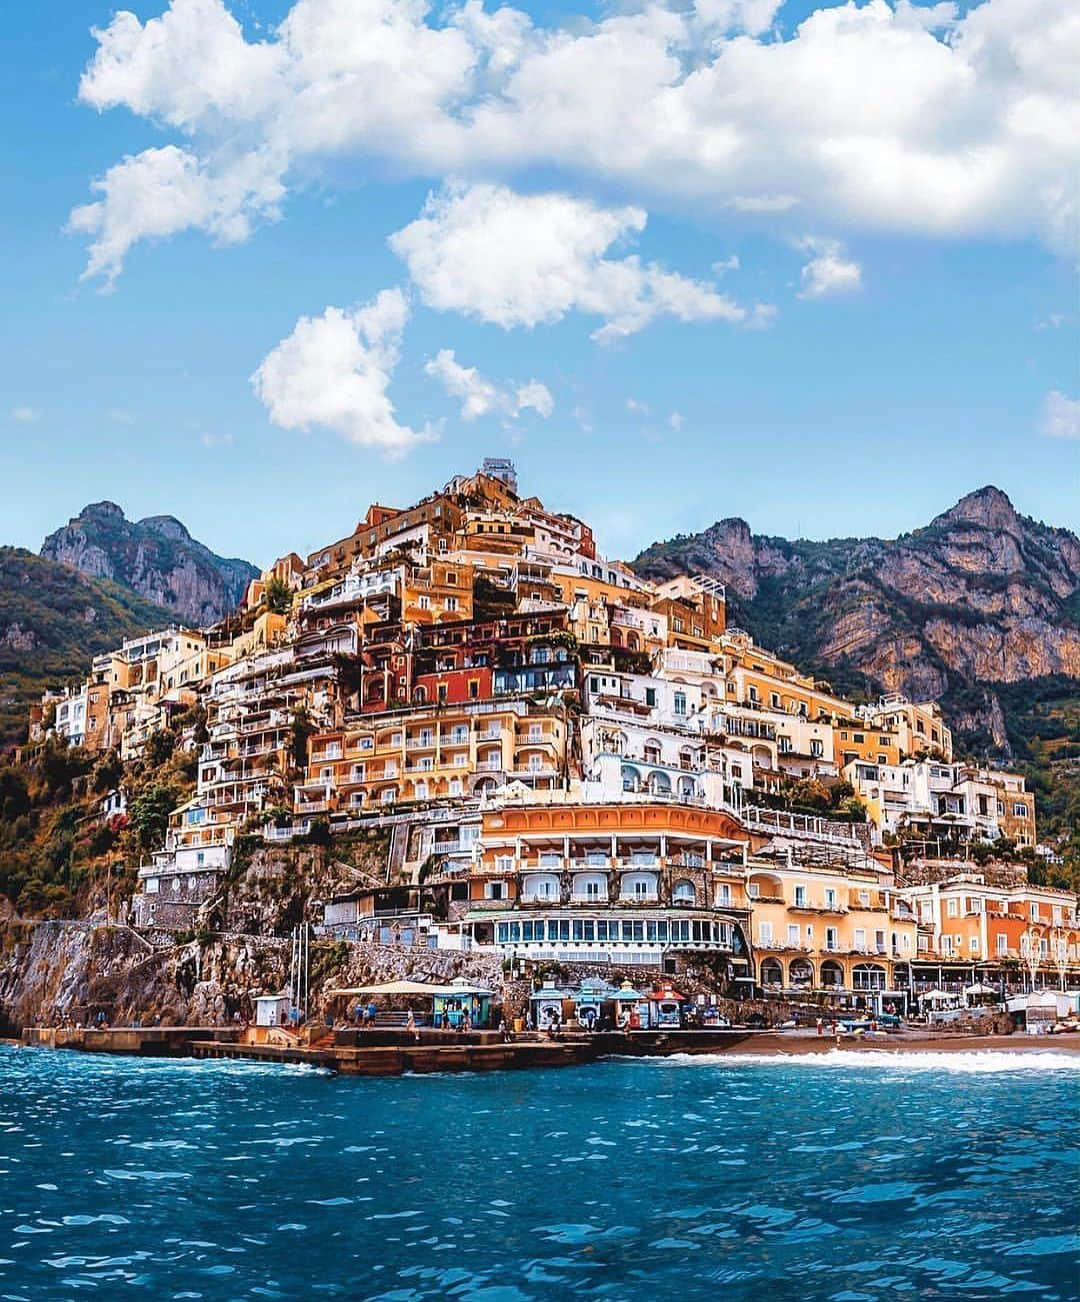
[[979, 1062]]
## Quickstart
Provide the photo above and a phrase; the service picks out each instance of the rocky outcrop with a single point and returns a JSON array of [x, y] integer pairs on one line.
[[155, 557], [52, 972], [981, 595]]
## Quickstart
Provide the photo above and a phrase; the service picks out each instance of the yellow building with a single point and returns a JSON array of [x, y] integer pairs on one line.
[[433, 753], [824, 928]]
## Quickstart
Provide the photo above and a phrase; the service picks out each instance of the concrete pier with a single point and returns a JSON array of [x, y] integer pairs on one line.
[[384, 1051], [142, 1041]]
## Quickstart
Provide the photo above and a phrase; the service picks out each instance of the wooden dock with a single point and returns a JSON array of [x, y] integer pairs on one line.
[[383, 1051], [409, 1056]]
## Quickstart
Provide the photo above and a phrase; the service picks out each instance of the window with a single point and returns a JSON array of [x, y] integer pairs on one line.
[[864, 899], [723, 895], [774, 700], [451, 603], [800, 896], [1034, 913], [1020, 811], [793, 933], [973, 944], [680, 702], [494, 890], [1002, 943], [753, 890], [650, 697], [952, 908], [832, 940], [860, 937], [424, 602], [765, 933], [504, 863], [830, 898]]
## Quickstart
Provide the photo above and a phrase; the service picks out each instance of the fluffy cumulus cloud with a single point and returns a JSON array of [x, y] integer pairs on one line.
[[334, 372], [525, 260], [162, 192], [956, 124], [1060, 416], [481, 397], [829, 271]]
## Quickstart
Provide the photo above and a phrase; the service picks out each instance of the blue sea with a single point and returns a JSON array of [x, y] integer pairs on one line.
[[853, 1178]]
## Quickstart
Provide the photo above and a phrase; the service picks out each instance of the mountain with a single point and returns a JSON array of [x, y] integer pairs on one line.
[[156, 558], [53, 621], [980, 609]]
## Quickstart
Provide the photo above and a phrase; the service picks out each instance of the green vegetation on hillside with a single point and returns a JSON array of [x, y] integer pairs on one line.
[[57, 853], [53, 621]]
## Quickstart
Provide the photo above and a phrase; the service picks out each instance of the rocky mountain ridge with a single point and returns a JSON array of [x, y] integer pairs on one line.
[[155, 557], [981, 595]]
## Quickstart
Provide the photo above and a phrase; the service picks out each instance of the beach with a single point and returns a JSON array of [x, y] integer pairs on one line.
[[800, 1043]]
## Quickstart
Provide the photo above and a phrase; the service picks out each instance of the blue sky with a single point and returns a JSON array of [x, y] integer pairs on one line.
[[900, 327]]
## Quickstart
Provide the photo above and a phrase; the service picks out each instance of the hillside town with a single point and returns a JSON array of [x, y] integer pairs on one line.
[[570, 765]]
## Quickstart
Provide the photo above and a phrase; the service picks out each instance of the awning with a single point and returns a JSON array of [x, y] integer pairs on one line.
[[411, 988]]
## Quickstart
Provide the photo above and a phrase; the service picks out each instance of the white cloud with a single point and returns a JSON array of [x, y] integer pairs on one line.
[[636, 408], [952, 125], [675, 421], [161, 192], [25, 415], [828, 272], [480, 396], [1052, 322], [334, 371], [1060, 416], [762, 203], [725, 265], [534, 396], [524, 260]]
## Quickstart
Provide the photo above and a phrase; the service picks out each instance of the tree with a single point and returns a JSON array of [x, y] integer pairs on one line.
[[301, 730], [149, 814], [279, 597]]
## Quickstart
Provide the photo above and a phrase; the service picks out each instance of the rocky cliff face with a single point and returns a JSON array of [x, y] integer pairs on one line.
[[155, 557], [980, 596]]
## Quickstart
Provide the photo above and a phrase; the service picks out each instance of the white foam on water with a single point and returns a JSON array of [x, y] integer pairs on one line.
[[979, 1062]]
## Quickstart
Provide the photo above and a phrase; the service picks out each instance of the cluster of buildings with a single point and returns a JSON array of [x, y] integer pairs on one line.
[[570, 763]]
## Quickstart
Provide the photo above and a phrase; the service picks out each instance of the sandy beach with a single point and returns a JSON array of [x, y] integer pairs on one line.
[[798, 1043]]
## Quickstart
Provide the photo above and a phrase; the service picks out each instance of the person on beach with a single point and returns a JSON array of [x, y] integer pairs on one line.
[[820, 1026]]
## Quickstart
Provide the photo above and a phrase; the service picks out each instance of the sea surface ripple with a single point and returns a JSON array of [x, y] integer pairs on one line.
[[678, 1179]]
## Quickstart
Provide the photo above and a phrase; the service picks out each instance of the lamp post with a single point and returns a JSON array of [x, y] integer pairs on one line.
[[1059, 952], [1031, 953]]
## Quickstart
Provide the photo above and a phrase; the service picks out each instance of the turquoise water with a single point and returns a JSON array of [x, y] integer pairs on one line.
[[944, 1176]]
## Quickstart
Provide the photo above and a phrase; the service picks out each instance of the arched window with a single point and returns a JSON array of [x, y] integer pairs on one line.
[[801, 971], [832, 974], [659, 783], [868, 976], [631, 778], [684, 892], [772, 974]]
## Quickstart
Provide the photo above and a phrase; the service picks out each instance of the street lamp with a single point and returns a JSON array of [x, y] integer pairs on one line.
[[1059, 952], [1031, 953]]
